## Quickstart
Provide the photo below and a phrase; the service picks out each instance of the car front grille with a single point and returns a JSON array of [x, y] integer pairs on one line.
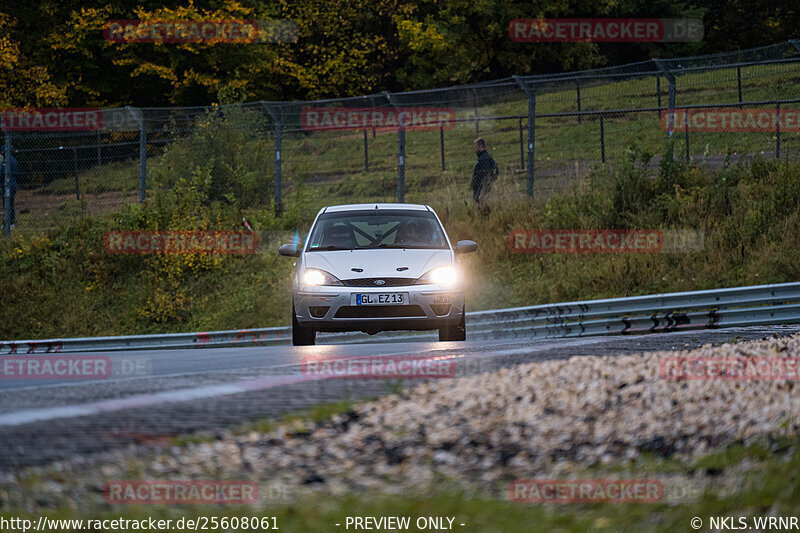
[[370, 282], [379, 311]]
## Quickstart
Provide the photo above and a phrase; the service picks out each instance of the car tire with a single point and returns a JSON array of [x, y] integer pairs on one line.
[[302, 336], [457, 332]]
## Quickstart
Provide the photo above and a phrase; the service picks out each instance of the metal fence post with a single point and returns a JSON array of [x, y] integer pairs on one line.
[[531, 132], [521, 147], [278, 176], [602, 140], [658, 94], [401, 152], [578, 88], [475, 102], [739, 83], [531, 142], [401, 164], [671, 94], [142, 161], [686, 131], [276, 117], [7, 185], [778, 131], [137, 115], [441, 142], [75, 169], [671, 97], [366, 152]]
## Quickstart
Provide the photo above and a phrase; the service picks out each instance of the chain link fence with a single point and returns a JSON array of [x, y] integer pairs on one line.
[[545, 132]]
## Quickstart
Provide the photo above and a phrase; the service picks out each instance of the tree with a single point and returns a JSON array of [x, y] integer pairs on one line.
[[23, 83]]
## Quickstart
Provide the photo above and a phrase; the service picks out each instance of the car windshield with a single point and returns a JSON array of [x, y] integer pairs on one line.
[[357, 230]]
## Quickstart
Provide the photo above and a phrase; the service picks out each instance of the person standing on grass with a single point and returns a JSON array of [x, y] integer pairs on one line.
[[8, 160], [484, 174]]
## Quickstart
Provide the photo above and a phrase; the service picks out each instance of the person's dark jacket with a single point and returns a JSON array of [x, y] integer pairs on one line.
[[14, 171], [485, 172]]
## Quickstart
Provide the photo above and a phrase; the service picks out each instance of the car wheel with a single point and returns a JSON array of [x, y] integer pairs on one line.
[[302, 336], [457, 332]]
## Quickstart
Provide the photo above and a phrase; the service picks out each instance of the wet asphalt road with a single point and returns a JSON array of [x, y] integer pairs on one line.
[[149, 396]]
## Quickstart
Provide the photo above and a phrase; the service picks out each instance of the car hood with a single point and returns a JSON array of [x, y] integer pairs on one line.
[[378, 263]]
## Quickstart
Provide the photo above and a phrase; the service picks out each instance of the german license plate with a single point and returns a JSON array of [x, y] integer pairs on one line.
[[381, 298]]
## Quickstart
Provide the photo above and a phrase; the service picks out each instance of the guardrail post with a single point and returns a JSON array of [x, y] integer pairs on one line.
[[139, 118], [778, 131], [602, 140], [277, 186], [578, 90], [531, 132], [7, 185]]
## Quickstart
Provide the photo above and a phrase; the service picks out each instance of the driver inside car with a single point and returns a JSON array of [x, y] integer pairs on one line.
[[414, 232], [339, 236]]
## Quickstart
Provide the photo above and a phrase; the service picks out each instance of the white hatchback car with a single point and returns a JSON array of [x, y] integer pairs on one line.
[[377, 267]]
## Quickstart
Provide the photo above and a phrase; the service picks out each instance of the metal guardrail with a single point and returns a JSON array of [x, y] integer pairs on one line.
[[657, 313]]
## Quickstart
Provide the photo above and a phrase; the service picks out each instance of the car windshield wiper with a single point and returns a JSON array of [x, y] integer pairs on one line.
[[394, 246], [327, 248]]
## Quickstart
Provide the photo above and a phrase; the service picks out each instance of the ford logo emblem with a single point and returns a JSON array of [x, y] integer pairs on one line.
[[379, 282]]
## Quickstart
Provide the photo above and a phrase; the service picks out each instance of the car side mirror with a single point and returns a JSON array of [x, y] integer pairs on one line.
[[289, 250], [465, 247]]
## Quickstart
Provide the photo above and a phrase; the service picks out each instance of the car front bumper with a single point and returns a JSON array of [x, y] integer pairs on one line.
[[332, 308]]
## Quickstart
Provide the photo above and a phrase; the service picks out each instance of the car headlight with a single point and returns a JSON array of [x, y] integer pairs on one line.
[[315, 276], [445, 276]]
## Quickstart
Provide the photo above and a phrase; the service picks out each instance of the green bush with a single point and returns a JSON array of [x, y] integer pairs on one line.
[[233, 152]]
